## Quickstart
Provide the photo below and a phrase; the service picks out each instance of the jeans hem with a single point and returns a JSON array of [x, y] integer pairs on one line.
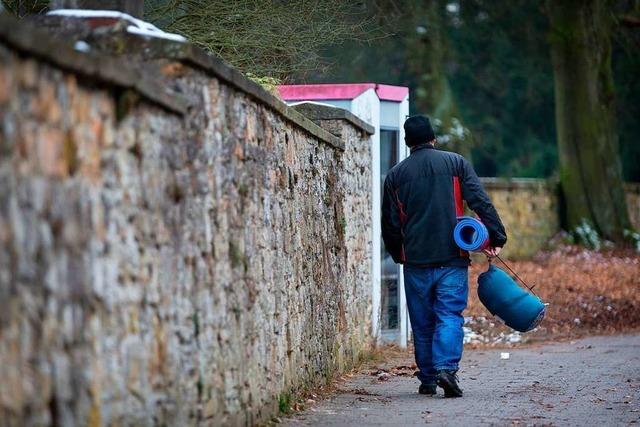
[[447, 368]]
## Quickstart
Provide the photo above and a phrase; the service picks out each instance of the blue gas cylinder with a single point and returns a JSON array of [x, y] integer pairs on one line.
[[517, 308]]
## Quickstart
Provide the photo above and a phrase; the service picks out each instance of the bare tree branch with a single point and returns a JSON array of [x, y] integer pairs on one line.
[[266, 37]]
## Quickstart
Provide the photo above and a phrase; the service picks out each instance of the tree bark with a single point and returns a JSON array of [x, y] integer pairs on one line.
[[590, 169], [427, 48]]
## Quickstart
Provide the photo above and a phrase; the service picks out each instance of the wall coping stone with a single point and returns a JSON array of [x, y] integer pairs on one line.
[[632, 187], [28, 38], [195, 56], [518, 183], [317, 111], [523, 183]]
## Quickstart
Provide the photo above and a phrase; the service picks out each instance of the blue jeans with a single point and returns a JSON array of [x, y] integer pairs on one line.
[[436, 298]]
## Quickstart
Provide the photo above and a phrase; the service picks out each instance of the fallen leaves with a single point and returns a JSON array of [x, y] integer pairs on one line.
[[587, 292], [399, 370], [384, 376]]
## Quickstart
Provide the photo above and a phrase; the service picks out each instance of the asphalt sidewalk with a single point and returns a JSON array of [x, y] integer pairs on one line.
[[593, 381]]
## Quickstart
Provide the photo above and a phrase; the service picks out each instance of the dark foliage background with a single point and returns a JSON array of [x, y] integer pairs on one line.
[[495, 57], [499, 69]]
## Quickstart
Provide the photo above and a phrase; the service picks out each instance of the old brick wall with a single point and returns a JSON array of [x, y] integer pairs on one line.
[[165, 268]]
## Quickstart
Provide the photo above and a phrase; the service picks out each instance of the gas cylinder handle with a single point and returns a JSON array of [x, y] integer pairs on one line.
[[516, 275]]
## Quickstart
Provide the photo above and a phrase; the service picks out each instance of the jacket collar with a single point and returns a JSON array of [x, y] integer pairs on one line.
[[426, 145]]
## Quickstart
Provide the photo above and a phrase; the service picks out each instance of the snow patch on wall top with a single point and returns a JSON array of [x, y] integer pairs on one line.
[[137, 26]]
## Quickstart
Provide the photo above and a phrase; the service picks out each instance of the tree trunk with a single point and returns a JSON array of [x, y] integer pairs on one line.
[[426, 48], [590, 170], [132, 7]]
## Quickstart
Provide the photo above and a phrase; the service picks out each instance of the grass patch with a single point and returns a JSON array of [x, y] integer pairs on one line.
[[284, 403], [299, 400]]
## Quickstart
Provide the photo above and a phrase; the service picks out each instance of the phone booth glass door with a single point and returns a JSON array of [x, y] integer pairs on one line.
[[389, 298]]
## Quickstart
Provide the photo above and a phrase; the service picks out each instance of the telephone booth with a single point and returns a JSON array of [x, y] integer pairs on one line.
[[385, 107]]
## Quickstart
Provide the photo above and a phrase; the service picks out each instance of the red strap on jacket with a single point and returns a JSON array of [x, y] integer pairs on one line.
[[403, 218], [457, 196]]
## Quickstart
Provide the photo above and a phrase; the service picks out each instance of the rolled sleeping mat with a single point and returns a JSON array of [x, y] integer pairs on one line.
[[517, 308], [470, 234]]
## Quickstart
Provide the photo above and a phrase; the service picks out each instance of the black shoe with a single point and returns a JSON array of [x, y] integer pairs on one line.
[[429, 389], [448, 380]]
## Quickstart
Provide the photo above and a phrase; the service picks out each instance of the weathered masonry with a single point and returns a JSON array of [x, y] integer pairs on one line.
[[530, 210], [177, 246]]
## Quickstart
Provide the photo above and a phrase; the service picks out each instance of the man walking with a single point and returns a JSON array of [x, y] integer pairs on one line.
[[422, 198]]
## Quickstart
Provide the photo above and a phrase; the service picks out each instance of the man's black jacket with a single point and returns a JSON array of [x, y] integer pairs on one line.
[[422, 199]]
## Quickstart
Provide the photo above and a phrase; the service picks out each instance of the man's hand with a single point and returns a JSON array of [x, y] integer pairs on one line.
[[492, 252]]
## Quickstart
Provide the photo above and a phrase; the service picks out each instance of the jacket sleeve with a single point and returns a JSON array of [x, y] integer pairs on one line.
[[478, 200], [391, 228]]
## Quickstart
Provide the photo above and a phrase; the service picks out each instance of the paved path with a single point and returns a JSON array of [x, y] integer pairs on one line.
[[590, 382]]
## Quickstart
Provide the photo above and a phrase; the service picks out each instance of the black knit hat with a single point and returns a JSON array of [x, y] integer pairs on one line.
[[418, 130]]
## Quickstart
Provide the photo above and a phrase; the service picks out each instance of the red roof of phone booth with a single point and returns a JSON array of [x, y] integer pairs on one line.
[[341, 91]]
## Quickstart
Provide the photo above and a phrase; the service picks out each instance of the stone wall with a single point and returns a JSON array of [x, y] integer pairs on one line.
[[357, 198], [177, 246], [170, 258], [529, 210], [633, 203]]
